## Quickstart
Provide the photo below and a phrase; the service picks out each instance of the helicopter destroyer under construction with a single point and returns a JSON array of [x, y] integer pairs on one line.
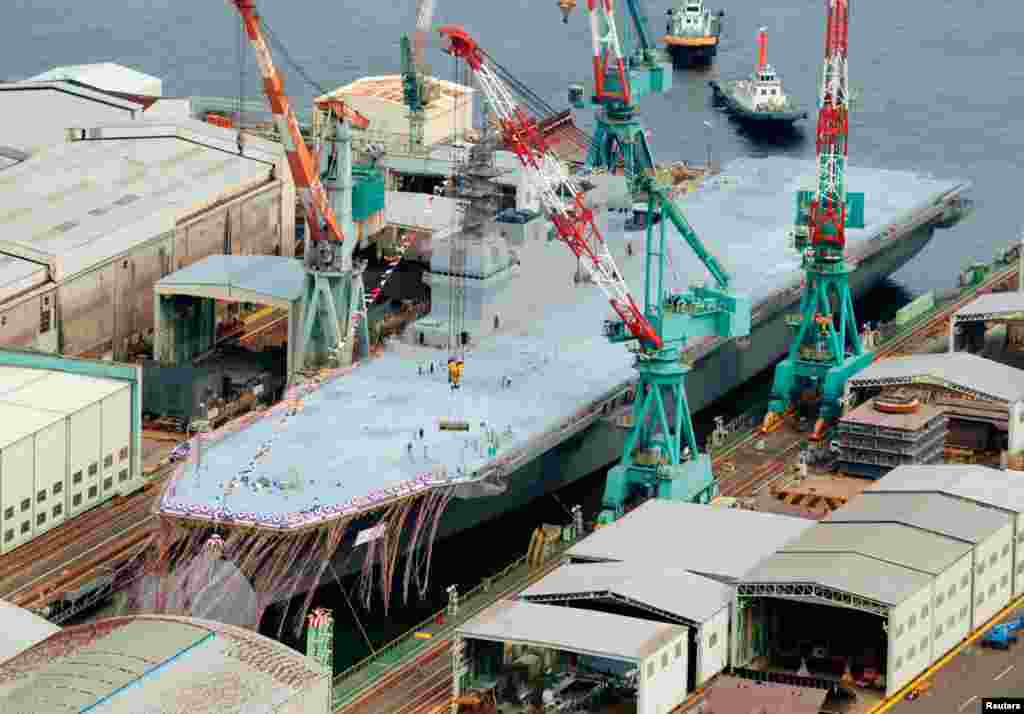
[[541, 385]]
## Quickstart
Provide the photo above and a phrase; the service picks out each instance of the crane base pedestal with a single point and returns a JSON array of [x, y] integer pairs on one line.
[[691, 482], [620, 141], [330, 302], [792, 375]]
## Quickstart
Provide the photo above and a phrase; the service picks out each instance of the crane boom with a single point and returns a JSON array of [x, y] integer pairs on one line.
[[319, 215], [573, 220], [604, 37], [639, 18]]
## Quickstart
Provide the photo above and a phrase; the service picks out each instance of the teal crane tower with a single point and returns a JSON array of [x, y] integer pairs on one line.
[[654, 459], [827, 349], [621, 79], [661, 457]]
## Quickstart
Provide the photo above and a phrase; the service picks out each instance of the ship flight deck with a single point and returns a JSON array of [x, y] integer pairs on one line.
[[346, 449]]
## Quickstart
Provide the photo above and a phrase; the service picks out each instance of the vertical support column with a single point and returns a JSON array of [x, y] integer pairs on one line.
[[459, 670], [952, 334]]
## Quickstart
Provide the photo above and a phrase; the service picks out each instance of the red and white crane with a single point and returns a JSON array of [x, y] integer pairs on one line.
[[560, 195]]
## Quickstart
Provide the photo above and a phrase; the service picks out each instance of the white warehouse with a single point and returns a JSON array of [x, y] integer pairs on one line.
[[918, 561], [69, 440], [515, 637]]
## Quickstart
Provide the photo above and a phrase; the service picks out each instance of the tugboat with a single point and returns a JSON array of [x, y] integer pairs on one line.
[[759, 101], [692, 33]]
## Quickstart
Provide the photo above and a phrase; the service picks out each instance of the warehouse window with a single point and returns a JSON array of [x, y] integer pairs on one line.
[[911, 622], [938, 631], [123, 455], [679, 650], [924, 612], [92, 492], [951, 622], [963, 582], [58, 487], [980, 568], [898, 632], [9, 535], [911, 652], [952, 591], [897, 663], [1006, 550], [57, 510], [108, 483], [992, 558], [9, 513], [963, 613], [1020, 567], [650, 670], [77, 478], [664, 660], [981, 598], [77, 500], [924, 644], [939, 599], [991, 589], [1020, 537], [94, 468], [41, 496], [26, 504], [25, 526], [40, 519], [1004, 581], [108, 461], [123, 476]]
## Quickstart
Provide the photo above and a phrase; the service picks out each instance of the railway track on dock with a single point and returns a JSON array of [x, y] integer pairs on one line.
[[737, 484]]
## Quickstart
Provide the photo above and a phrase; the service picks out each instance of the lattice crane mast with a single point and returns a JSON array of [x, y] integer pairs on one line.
[[327, 256], [660, 331], [620, 80], [827, 349]]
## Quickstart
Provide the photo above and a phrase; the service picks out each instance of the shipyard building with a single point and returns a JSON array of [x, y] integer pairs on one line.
[[71, 439], [881, 589], [625, 620], [146, 663], [89, 225]]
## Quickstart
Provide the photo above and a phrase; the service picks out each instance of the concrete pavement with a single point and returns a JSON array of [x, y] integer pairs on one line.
[[977, 672]]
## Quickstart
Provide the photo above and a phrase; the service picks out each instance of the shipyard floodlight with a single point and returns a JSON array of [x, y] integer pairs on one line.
[[827, 349], [661, 455]]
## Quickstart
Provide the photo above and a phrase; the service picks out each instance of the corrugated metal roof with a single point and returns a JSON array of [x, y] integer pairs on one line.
[[889, 542], [21, 421], [137, 664], [848, 572], [1009, 301], [679, 592], [61, 392], [935, 512], [82, 203], [104, 75], [566, 628], [21, 629], [959, 368], [18, 275], [981, 484], [731, 540], [867, 414], [268, 275]]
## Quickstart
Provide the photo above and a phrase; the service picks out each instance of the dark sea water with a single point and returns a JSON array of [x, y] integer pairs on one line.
[[940, 83]]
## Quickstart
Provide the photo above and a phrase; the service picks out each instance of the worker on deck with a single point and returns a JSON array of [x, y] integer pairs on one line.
[[454, 372]]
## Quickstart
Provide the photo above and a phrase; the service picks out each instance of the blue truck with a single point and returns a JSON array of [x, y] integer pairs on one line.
[[1004, 634]]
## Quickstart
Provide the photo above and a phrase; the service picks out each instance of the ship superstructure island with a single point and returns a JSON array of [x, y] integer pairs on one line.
[[357, 458]]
